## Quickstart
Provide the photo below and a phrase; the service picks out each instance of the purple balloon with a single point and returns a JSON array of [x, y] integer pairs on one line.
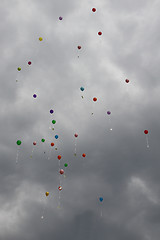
[[108, 112], [34, 95], [60, 18], [51, 111]]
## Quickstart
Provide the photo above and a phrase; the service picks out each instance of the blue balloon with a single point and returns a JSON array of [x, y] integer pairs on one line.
[[82, 89], [101, 199], [56, 136]]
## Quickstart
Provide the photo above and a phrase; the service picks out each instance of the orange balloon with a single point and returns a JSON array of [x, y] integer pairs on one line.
[[83, 155]]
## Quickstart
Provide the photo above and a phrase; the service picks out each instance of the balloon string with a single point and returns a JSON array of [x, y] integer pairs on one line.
[[17, 155], [49, 155], [43, 211], [59, 179], [56, 145], [59, 191], [43, 148], [92, 109], [32, 153], [109, 123], [59, 203], [147, 141], [75, 145], [17, 76], [101, 212]]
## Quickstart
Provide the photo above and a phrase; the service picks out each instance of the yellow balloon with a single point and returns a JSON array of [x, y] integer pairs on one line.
[[47, 194], [40, 38]]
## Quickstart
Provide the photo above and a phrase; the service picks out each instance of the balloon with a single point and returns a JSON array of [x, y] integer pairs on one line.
[[47, 194], [83, 155], [76, 135], [52, 144], [19, 69], [82, 89], [101, 199], [99, 33], [61, 171], [56, 136], [19, 142], [51, 111], [127, 80], [93, 9], [42, 140], [34, 95], [40, 39], [34, 143], [94, 99], [108, 112], [146, 131], [66, 165], [53, 121], [29, 63], [60, 18], [59, 157], [79, 47], [60, 188]]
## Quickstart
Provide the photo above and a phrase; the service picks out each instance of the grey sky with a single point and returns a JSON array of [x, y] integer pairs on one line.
[[118, 165]]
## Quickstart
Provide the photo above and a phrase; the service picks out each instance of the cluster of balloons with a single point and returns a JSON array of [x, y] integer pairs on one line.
[[61, 170]]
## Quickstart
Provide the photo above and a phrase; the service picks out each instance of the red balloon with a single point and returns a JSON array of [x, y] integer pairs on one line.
[[61, 171], [83, 155], [34, 143], [79, 47], [76, 135], [99, 33], [29, 63], [146, 131], [59, 157], [127, 80], [52, 144], [60, 188], [94, 99], [93, 9]]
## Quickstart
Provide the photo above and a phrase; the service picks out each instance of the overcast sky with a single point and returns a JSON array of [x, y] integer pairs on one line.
[[118, 165]]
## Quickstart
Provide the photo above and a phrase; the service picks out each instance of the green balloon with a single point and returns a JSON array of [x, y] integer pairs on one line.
[[19, 142], [43, 140], [19, 69], [53, 121], [66, 165]]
